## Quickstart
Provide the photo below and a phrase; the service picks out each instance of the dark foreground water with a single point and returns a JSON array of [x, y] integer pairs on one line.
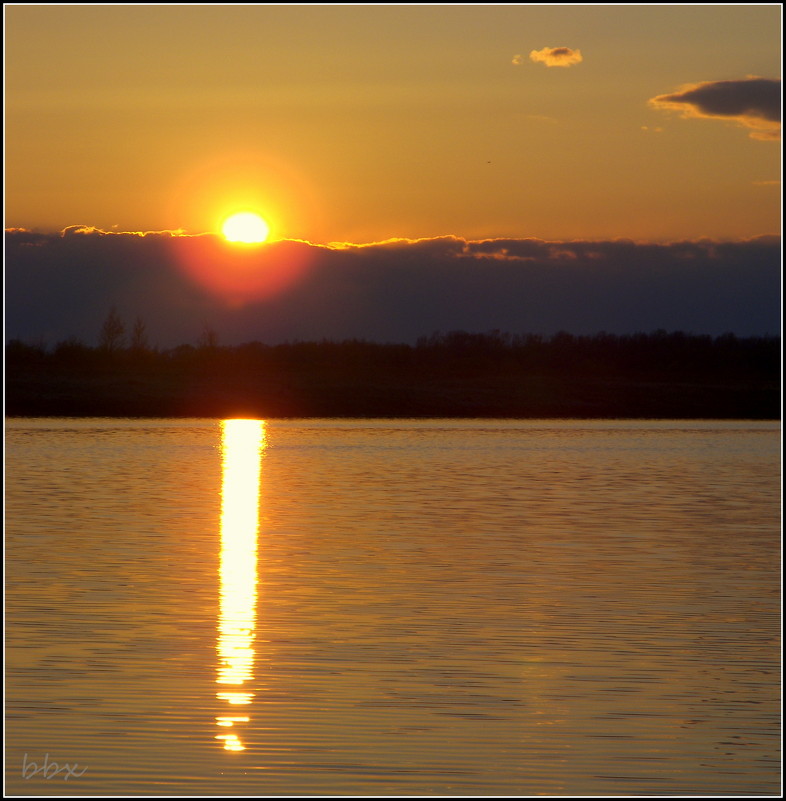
[[392, 607]]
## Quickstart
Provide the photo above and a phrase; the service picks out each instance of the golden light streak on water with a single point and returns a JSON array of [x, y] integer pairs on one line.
[[242, 444]]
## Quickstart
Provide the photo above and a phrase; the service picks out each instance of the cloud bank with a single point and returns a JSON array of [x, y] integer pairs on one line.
[[752, 102], [554, 56], [61, 286]]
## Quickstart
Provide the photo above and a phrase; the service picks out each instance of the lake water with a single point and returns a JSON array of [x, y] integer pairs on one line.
[[392, 607]]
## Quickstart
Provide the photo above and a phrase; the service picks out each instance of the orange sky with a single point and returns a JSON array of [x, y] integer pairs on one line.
[[357, 124]]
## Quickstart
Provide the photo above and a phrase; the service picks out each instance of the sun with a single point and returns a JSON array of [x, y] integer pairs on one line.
[[245, 227]]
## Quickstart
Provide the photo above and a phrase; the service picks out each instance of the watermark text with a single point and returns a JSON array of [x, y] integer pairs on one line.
[[50, 770]]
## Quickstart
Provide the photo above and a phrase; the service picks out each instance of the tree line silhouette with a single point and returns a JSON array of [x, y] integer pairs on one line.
[[454, 374]]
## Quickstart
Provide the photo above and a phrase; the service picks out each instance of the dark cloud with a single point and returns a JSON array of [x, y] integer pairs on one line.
[[753, 102], [554, 56], [59, 286]]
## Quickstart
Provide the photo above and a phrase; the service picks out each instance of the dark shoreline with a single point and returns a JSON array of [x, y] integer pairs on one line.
[[537, 397], [458, 375]]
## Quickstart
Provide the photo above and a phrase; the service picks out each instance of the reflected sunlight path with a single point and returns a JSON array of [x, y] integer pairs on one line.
[[242, 444]]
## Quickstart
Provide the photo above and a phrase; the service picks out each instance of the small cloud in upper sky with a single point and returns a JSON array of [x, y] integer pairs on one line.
[[554, 56], [752, 102]]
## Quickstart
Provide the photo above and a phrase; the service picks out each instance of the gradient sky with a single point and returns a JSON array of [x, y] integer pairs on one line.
[[363, 123]]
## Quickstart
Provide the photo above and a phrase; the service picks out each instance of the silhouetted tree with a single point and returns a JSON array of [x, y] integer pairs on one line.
[[70, 348], [18, 352], [113, 332], [208, 338], [139, 341]]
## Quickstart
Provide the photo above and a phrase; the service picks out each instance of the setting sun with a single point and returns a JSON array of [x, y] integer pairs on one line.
[[245, 227]]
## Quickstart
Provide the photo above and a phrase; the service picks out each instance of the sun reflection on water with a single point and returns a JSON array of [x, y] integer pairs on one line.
[[242, 444]]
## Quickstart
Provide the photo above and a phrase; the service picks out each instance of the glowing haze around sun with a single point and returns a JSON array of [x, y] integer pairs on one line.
[[245, 227]]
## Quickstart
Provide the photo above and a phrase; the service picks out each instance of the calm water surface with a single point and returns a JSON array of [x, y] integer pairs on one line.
[[392, 607]]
